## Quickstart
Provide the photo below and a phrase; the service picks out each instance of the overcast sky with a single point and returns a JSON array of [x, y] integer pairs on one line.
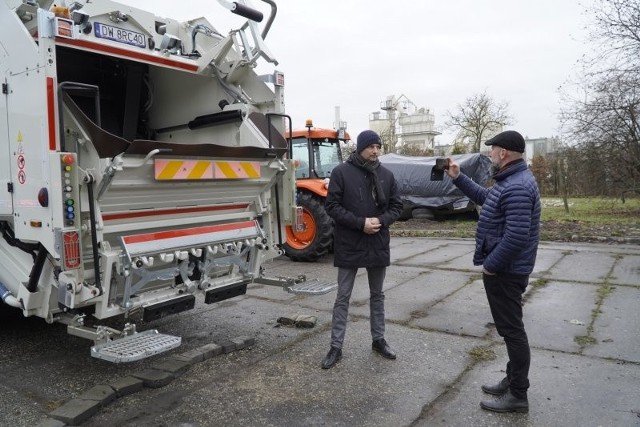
[[355, 53]]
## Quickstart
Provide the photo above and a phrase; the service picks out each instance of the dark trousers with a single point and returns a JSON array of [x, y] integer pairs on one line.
[[504, 293], [346, 279]]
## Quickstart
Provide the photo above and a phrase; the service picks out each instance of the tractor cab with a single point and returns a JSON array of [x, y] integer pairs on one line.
[[315, 153]]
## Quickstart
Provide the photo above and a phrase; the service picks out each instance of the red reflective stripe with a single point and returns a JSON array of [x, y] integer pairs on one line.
[[130, 54], [159, 212], [162, 235], [51, 114]]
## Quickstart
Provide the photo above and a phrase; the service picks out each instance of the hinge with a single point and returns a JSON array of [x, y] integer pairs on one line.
[[5, 88], [10, 187]]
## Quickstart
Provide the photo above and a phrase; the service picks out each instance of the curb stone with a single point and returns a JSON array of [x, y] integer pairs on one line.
[[80, 409]]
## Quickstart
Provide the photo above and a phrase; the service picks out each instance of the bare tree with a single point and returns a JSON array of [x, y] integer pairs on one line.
[[478, 116], [603, 118]]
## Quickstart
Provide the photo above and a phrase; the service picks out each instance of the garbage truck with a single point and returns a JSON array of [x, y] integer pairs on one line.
[[143, 166]]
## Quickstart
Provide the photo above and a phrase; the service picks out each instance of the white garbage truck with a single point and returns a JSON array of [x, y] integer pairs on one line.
[[142, 166]]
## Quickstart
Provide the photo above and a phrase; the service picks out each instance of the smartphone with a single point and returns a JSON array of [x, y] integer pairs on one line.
[[442, 163]]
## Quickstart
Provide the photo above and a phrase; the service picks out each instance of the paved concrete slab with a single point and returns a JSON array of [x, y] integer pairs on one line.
[[415, 297], [616, 329], [566, 390], [441, 255], [465, 312], [582, 267], [545, 260], [627, 271], [557, 313], [434, 381], [402, 249]]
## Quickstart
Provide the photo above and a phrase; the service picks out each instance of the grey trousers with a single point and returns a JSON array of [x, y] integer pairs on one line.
[[346, 278]]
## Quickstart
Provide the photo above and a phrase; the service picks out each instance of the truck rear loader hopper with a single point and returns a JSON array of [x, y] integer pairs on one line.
[[144, 164]]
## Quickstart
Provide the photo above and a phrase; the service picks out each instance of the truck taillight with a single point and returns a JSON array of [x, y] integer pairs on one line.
[[71, 245]]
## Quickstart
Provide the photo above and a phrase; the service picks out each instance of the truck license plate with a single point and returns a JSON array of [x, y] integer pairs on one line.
[[119, 35]]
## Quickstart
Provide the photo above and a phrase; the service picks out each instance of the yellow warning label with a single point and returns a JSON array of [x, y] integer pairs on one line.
[[19, 136], [167, 169]]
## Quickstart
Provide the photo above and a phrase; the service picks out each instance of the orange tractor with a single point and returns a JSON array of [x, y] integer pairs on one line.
[[315, 153]]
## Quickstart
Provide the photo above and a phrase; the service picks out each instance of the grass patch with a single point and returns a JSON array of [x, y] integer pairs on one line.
[[539, 283], [479, 354], [595, 219], [584, 341], [596, 210]]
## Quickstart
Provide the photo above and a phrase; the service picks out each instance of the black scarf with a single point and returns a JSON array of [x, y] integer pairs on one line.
[[371, 166]]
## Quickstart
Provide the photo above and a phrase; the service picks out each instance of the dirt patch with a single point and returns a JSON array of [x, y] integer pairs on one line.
[[554, 231]]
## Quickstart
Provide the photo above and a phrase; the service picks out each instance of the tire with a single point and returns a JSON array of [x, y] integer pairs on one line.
[[423, 213], [316, 239]]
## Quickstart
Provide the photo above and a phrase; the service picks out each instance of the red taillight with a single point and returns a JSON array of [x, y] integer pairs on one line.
[[71, 243], [43, 197], [68, 159]]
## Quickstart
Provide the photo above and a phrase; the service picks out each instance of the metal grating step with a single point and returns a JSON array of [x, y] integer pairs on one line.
[[312, 287], [135, 347]]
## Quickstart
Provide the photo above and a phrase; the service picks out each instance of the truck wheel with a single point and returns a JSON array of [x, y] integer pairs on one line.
[[316, 238]]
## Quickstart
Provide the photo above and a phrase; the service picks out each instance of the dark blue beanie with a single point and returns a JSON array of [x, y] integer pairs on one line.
[[366, 138]]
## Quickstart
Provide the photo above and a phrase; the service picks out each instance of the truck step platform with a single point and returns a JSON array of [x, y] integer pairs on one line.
[[135, 347], [312, 287]]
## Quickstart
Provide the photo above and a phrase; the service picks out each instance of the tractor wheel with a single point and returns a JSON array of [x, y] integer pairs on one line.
[[316, 238]]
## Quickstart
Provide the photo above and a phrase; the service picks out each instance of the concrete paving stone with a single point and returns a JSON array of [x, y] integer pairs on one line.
[[440, 255], [395, 276], [127, 385], [243, 342], [616, 327], [210, 350], [154, 378], [404, 248], [239, 342], [191, 356], [50, 422], [627, 271], [227, 345], [466, 312], [566, 390], [175, 367], [592, 267], [102, 393], [414, 298], [557, 313], [76, 411], [545, 260]]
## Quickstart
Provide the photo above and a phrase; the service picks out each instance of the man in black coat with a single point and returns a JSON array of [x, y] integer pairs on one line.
[[363, 201]]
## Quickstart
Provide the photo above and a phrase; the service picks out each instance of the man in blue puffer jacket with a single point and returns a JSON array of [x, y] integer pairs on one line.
[[506, 246], [363, 200]]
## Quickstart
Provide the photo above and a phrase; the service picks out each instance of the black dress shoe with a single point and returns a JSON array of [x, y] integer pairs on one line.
[[334, 355], [506, 403], [497, 389], [383, 348]]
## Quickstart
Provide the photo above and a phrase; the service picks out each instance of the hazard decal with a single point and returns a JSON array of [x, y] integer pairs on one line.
[[173, 170]]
